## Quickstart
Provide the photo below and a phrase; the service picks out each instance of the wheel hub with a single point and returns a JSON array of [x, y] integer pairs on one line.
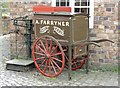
[[48, 55]]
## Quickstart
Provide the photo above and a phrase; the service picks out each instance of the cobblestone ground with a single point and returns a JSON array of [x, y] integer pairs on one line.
[[34, 78]]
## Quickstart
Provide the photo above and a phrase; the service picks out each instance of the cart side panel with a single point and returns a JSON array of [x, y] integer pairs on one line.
[[80, 33], [56, 26], [80, 28]]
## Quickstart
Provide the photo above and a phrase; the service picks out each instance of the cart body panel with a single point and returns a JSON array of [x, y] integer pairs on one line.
[[53, 26], [79, 28], [76, 24], [63, 27]]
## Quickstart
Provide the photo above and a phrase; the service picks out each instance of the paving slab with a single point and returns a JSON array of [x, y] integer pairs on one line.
[[34, 78]]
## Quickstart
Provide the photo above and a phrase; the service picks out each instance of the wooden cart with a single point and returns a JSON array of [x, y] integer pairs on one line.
[[61, 41]]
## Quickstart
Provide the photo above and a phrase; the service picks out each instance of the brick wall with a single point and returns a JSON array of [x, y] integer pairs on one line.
[[18, 9], [105, 26]]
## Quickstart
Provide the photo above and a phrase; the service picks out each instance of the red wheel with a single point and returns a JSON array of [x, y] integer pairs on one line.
[[78, 62], [48, 56]]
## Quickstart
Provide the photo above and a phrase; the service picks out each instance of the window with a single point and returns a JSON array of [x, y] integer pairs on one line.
[[78, 6], [81, 6], [62, 2], [84, 2]]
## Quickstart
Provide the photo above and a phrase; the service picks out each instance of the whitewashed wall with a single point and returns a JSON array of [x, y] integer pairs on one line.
[[5, 47]]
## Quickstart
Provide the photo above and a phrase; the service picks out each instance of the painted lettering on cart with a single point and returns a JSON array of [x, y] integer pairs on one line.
[[55, 22], [58, 31], [54, 26], [44, 29]]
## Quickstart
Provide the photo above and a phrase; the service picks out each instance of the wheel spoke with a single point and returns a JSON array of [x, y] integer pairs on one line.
[[42, 63], [64, 50], [41, 49], [56, 64], [53, 49], [56, 54], [50, 45], [39, 53], [43, 45], [56, 59], [66, 58], [74, 63], [46, 45], [53, 67], [40, 58], [45, 67], [50, 68]]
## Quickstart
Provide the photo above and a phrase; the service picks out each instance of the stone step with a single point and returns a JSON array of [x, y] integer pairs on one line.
[[19, 65]]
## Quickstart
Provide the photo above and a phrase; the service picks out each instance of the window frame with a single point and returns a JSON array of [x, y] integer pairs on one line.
[[72, 5]]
